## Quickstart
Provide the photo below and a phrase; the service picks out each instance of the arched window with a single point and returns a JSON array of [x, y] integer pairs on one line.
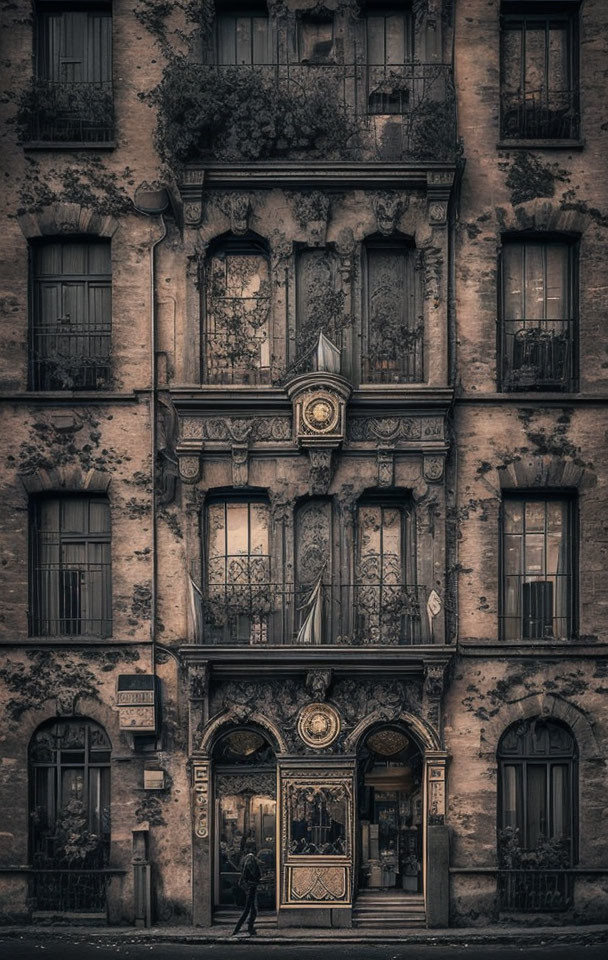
[[392, 335], [236, 336], [244, 768], [386, 598], [69, 761], [537, 791], [71, 314]]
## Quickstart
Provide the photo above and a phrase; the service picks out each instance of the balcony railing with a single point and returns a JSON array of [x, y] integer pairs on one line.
[[71, 600], [70, 358], [70, 890], [535, 891], [388, 111], [539, 608], [361, 613], [538, 355], [69, 112], [540, 115]]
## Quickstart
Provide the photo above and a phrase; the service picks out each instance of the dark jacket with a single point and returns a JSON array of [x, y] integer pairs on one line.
[[251, 873]]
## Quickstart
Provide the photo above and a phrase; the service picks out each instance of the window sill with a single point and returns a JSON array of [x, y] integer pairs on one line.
[[540, 145], [69, 145]]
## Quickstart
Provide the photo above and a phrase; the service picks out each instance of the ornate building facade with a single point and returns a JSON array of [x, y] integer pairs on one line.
[[304, 462]]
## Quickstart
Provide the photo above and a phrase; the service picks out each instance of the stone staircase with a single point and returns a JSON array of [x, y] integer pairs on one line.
[[389, 908]]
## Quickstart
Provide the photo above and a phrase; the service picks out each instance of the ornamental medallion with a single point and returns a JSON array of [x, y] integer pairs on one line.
[[318, 724]]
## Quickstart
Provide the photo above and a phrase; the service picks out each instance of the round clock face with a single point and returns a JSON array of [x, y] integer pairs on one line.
[[321, 413], [318, 724]]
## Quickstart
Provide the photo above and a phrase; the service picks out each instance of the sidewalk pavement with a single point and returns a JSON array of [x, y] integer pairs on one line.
[[521, 936]]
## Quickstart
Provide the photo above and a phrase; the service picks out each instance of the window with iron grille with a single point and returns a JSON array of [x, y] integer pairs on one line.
[[70, 572], [236, 336], [538, 582], [73, 83], [238, 580], [71, 315], [69, 772], [538, 315], [392, 334], [539, 71], [386, 598]]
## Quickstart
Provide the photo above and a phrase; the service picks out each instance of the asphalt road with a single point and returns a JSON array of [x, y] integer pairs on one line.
[[28, 948]]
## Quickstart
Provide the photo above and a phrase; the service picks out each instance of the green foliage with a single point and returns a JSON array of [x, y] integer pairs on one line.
[[87, 182], [550, 853], [74, 842], [237, 114], [63, 112]]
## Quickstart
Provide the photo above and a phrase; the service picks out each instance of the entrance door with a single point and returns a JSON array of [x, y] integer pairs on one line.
[[245, 816], [390, 814]]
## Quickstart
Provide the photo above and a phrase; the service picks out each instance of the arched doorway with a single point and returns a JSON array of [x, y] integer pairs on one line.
[[390, 775], [69, 764], [244, 767]]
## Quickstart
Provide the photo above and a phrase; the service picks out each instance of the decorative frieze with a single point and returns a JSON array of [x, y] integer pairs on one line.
[[235, 430], [237, 207], [393, 429], [312, 213]]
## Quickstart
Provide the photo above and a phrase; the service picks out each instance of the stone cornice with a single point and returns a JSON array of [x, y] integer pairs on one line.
[[299, 173], [343, 659]]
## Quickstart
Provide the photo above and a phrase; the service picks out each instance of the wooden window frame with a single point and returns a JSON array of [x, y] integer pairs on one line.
[[569, 499]]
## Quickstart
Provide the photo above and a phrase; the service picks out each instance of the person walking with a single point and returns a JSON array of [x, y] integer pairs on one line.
[[251, 874]]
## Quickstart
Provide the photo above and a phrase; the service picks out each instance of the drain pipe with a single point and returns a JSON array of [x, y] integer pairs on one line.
[[153, 201]]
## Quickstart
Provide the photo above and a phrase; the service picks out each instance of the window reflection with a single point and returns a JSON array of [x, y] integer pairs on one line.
[[318, 820]]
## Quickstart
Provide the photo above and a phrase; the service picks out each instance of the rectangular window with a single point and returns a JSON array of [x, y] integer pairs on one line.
[[539, 328], [538, 589], [243, 36], [70, 578], [238, 571], [71, 315], [387, 605], [392, 338], [389, 39], [73, 73], [539, 72]]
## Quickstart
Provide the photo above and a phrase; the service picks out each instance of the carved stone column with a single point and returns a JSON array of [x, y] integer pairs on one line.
[[437, 853], [202, 880]]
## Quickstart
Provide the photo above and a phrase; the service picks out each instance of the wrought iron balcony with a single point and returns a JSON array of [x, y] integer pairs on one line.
[[538, 355], [71, 599], [361, 614], [70, 357], [327, 111], [68, 112], [535, 891], [540, 115]]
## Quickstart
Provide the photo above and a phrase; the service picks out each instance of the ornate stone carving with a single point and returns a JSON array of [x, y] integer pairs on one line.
[[281, 249], [240, 464], [438, 212], [237, 207], [434, 674], [237, 430], [312, 541], [433, 469], [312, 213], [438, 186], [318, 683], [388, 429], [436, 792], [388, 207], [189, 467], [321, 470], [385, 460], [318, 884], [318, 725], [263, 784], [358, 698], [198, 676], [200, 789]]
